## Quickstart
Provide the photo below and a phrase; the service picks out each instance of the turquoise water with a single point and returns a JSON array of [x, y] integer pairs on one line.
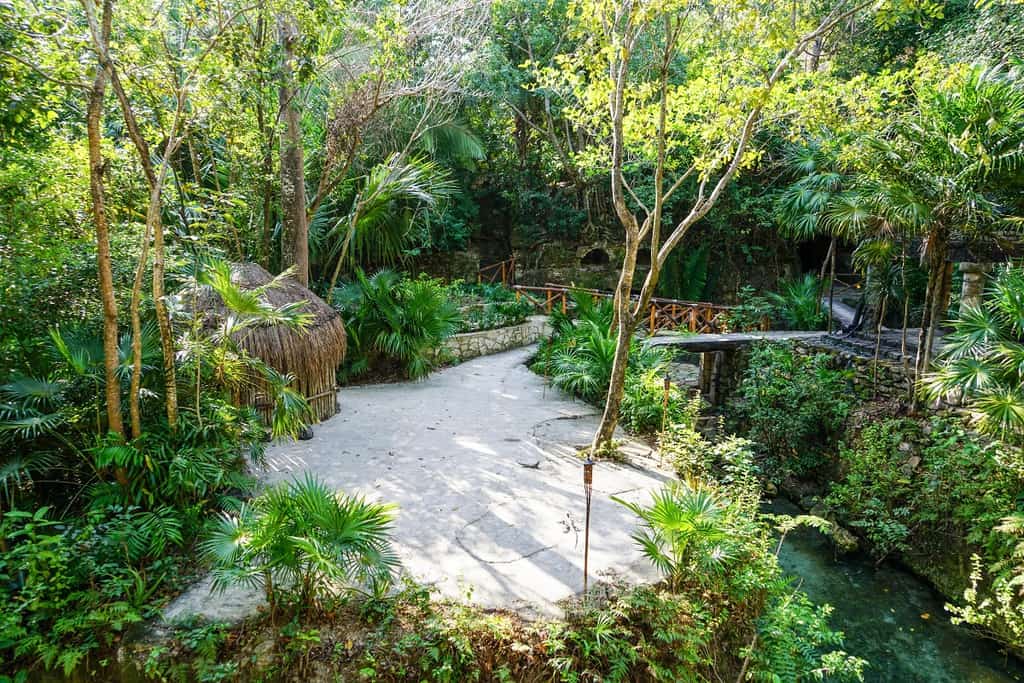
[[880, 611]]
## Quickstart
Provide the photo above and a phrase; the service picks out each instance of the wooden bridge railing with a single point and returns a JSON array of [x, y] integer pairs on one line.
[[663, 314], [503, 272]]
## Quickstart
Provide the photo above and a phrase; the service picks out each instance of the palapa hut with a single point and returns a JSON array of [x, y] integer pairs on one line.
[[311, 355]]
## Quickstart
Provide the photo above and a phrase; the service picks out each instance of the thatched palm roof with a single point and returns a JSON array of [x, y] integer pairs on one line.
[[311, 355]]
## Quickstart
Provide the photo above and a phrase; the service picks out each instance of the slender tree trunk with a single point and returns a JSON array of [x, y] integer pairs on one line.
[[878, 345], [154, 222], [821, 275], [97, 169], [136, 382], [626, 326], [267, 172], [295, 229], [936, 298]]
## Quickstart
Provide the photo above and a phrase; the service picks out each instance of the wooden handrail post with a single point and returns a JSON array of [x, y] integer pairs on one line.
[[565, 303], [693, 319], [651, 325]]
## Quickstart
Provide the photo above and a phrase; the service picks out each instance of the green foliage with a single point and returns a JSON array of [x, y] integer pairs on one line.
[[192, 653], [936, 482], [751, 312], [877, 491], [394, 320], [198, 465], [70, 588], [378, 226], [304, 543], [685, 531], [643, 408], [685, 275], [983, 358], [798, 303], [488, 306], [578, 358], [645, 629], [793, 633], [793, 406], [730, 460]]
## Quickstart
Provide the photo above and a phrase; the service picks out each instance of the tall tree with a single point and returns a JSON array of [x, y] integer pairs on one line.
[[665, 80], [101, 25], [294, 225]]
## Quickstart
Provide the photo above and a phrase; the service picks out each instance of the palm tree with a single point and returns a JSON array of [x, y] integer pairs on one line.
[[943, 169], [983, 358], [377, 226], [823, 200], [305, 541]]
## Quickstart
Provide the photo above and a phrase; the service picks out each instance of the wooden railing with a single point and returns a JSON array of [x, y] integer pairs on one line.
[[662, 314], [503, 272]]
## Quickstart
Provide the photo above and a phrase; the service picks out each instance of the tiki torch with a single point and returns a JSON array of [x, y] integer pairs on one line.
[[588, 487]]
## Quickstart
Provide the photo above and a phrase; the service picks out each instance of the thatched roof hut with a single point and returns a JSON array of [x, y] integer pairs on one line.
[[311, 355]]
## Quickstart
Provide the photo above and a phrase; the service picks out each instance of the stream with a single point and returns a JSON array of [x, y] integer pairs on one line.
[[890, 617]]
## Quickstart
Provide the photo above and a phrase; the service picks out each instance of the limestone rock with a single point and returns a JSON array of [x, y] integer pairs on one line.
[[844, 541]]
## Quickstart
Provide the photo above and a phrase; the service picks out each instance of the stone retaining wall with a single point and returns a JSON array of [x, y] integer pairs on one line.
[[722, 377], [886, 380], [472, 344]]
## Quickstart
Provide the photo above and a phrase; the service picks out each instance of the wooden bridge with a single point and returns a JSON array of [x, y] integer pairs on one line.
[[703, 343], [662, 314]]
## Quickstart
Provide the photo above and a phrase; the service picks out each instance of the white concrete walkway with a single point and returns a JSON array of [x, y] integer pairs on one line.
[[480, 459]]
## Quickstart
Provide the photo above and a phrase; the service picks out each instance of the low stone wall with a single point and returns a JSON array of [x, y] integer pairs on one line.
[[884, 380], [472, 344], [722, 372]]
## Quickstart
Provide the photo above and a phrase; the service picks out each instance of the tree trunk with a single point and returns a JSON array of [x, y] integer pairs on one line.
[[97, 169], [267, 172], [136, 381], [625, 324], [616, 385], [154, 223], [295, 229], [936, 298]]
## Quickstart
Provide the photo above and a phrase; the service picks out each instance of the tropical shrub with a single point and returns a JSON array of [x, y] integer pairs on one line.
[[936, 481], [797, 304], [792, 406], [488, 306], [794, 637], [302, 543], [730, 459], [982, 359], [395, 322], [69, 588], [685, 531], [707, 539], [643, 406], [578, 358], [751, 311], [876, 494]]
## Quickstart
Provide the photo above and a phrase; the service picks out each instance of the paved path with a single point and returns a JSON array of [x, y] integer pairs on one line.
[[480, 459]]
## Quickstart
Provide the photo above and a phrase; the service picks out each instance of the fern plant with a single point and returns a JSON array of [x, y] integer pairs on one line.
[[797, 303]]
